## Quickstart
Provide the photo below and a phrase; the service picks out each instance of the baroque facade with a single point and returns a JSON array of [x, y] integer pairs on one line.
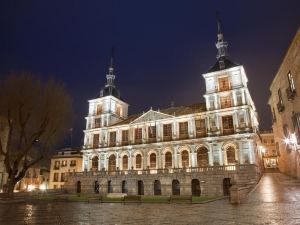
[[285, 107], [199, 148]]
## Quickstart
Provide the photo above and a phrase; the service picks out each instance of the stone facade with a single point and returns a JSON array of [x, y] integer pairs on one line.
[[285, 106], [187, 140], [270, 155], [3, 136]]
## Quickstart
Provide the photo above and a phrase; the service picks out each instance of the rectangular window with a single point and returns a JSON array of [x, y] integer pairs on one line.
[[200, 128], [64, 163], [96, 141], [296, 124], [242, 122], [227, 122], [55, 177], [125, 137], [239, 99], [280, 105], [183, 130], [138, 135], [225, 102], [224, 84], [97, 123], [118, 111], [62, 177], [167, 132], [291, 81], [99, 109], [112, 138], [73, 163], [56, 165], [152, 133]]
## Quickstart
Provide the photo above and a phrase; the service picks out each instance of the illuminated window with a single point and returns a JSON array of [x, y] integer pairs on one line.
[[56, 165], [291, 82], [152, 132], [97, 122], [125, 162], [55, 177], [183, 130], [225, 102], [138, 135], [64, 163], [202, 157], [112, 163], [62, 177], [112, 138], [138, 161], [124, 137], [227, 125], [153, 160], [224, 84], [99, 109], [168, 160], [96, 140], [200, 127], [296, 124], [118, 111], [230, 154], [185, 159], [167, 132], [73, 163]]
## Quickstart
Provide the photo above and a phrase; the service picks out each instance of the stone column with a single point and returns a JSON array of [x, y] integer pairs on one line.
[[251, 152], [216, 101], [221, 159], [99, 162], [241, 152], [117, 160], [175, 161], [234, 98]]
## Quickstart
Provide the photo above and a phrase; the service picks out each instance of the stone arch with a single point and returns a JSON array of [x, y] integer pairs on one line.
[[184, 156], [195, 185], [95, 162], [175, 187], [138, 159], [166, 156], [125, 162], [152, 162]]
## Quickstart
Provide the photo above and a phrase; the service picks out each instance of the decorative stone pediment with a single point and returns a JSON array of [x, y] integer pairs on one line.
[[151, 115]]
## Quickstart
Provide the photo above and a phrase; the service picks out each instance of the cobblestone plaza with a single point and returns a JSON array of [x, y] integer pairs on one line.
[[274, 201]]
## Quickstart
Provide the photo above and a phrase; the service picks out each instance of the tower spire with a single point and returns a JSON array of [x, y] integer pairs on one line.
[[110, 77], [221, 43]]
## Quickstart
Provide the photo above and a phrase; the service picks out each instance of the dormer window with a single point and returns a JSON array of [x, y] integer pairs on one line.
[[224, 84]]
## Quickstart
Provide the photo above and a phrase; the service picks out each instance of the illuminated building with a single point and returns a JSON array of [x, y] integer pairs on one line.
[[196, 149], [270, 155]]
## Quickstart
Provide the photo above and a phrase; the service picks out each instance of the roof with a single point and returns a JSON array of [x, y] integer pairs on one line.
[[174, 111], [227, 63], [110, 90]]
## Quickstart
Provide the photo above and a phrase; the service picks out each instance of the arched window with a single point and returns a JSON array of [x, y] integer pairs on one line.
[[112, 163], [125, 162], [185, 159], [202, 157], [196, 191], [157, 187], [175, 187], [138, 161], [152, 160], [230, 153], [168, 160], [95, 161]]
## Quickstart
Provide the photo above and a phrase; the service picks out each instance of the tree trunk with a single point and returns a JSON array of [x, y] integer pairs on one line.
[[10, 187]]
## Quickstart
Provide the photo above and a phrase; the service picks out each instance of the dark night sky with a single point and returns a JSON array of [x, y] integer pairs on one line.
[[162, 47]]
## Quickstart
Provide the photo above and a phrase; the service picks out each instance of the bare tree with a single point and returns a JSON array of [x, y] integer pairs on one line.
[[38, 114]]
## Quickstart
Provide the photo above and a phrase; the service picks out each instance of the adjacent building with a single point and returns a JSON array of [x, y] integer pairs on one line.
[[3, 136], [195, 149], [66, 161], [270, 155], [285, 107]]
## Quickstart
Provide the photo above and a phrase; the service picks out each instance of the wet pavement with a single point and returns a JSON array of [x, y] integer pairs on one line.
[[276, 200]]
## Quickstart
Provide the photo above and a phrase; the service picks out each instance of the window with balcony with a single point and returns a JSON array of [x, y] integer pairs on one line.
[[55, 177], [291, 90], [183, 130], [224, 84], [280, 105], [97, 123], [138, 135], [225, 102], [167, 132], [152, 133], [56, 165], [99, 109], [112, 138], [95, 140], [228, 127], [125, 140], [200, 128]]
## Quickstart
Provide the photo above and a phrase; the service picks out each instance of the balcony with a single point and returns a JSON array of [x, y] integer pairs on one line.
[[290, 93], [280, 107], [228, 131]]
